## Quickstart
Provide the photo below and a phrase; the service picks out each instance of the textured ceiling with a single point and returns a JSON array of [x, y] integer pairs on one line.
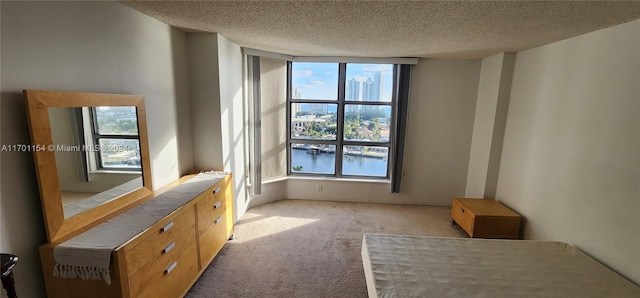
[[437, 29]]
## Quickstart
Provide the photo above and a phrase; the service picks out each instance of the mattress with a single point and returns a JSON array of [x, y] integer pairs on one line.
[[413, 266]]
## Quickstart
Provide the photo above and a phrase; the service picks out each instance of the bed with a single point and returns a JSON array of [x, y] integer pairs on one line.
[[413, 266]]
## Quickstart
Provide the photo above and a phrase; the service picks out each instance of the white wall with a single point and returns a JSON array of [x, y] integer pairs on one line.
[[571, 155], [82, 46], [441, 114], [233, 122], [204, 86], [216, 73], [488, 129]]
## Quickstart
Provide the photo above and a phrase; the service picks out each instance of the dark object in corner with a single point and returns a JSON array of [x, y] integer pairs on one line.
[[8, 283]]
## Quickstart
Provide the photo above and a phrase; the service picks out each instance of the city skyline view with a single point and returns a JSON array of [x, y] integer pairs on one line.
[[365, 82], [367, 110]]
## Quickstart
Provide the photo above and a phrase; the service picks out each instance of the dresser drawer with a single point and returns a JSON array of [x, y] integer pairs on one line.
[[213, 238], [210, 207], [172, 279], [175, 235], [462, 217]]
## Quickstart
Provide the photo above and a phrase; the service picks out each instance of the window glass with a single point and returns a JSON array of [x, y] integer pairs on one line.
[[367, 123], [313, 121], [314, 81], [115, 135], [355, 121], [312, 158], [120, 153], [116, 120], [365, 161], [369, 82]]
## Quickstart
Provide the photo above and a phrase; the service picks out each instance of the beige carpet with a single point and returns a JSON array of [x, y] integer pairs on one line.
[[295, 248]]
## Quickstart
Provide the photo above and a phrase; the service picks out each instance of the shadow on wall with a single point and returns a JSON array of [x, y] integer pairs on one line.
[[20, 210], [184, 137]]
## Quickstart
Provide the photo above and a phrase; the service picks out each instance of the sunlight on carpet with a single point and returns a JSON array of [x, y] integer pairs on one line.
[[297, 248]]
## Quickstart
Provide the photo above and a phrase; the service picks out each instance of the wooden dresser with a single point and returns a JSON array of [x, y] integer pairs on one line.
[[166, 259], [485, 218]]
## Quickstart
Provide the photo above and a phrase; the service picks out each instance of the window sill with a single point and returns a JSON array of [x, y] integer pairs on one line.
[[115, 172], [330, 179]]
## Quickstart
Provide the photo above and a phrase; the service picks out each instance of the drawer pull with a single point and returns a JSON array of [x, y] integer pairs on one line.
[[218, 220], [166, 227], [169, 247], [461, 210], [217, 205], [171, 267], [217, 190]]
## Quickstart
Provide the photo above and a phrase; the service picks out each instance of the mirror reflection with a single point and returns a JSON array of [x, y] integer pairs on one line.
[[97, 151]]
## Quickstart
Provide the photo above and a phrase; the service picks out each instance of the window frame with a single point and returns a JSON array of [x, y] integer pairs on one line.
[[339, 141], [96, 136]]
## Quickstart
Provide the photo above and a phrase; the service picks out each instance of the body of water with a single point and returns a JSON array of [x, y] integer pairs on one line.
[[323, 163]]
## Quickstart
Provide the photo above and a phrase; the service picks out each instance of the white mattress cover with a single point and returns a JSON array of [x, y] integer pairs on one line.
[[413, 266]]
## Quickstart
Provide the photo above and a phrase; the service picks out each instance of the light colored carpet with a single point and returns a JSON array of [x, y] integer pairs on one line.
[[296, 248]]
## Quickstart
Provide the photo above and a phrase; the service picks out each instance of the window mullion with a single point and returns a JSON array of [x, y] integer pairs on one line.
[[342, 78], [99, 136], [96, 137], [369, 103], [365, 143], [288, 115]]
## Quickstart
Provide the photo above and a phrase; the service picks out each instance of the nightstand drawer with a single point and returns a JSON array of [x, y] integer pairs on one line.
[[462, 217]]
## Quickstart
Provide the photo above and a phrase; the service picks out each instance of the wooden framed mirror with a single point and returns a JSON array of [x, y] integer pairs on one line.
[[91, 154]]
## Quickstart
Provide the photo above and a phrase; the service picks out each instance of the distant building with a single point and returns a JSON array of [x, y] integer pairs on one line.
[[353, 89], [298, 124], [370, 89]]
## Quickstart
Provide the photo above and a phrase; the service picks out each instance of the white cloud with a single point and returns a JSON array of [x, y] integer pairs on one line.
[[302, 73], [378, 67], [322, 83]]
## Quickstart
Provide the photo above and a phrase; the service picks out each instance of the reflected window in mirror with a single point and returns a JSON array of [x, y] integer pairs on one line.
[[97, 153], [115, 138]]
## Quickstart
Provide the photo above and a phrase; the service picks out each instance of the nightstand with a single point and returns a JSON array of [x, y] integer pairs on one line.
[[485, 218]]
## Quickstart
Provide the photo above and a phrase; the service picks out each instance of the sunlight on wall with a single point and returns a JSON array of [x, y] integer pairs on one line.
[[273, 85], [164, 166]]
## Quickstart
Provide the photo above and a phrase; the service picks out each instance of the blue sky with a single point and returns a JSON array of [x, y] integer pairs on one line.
[[320, 80]]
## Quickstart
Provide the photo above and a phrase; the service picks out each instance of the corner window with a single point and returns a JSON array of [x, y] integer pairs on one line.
[[340, 118]]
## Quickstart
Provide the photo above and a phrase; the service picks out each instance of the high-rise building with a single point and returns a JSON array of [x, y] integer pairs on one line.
[[296, 93], [353, 89], [370, 89], [296, 108], [367, 90], [373, 87], [376, 88]]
